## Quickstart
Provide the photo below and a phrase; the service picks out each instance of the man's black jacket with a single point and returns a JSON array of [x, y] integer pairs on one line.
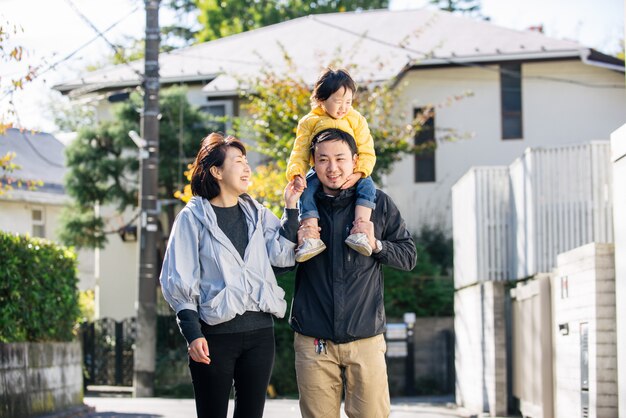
[[339, 294]]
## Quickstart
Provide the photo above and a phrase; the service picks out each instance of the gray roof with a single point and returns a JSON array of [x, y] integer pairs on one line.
[[397, 39], [40, 155]]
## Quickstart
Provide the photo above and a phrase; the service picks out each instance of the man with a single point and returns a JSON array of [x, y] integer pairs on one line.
[[337, 312]]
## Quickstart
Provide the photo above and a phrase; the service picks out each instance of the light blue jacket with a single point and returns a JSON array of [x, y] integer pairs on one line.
[[203, 271]]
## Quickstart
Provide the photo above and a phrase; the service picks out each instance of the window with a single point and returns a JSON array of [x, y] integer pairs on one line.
[[511, 100], [425, 161], [219, 109], [39, 222]]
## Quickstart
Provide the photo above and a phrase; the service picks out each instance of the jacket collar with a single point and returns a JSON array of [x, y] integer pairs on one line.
[[345, 197]]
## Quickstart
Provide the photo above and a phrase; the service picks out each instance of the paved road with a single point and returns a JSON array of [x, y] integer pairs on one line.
[[113, 407]]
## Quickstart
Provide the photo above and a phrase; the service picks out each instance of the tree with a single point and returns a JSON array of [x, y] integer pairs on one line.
[[219, 18], [103, 164], [11, 54], [279, 100]]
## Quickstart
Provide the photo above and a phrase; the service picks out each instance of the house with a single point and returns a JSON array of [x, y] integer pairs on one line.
[[499, 90], [36, 212]]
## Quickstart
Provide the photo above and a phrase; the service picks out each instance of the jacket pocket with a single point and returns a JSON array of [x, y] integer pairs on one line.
[[272, 300], [225, 305]]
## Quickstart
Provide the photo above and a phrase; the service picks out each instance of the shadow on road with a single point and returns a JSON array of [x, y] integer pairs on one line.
[[121, 415]]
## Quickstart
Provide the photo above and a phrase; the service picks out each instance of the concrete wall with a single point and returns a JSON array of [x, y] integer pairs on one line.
[[38, 378], [480, 348], [583, 295], [531, 310], [618, 156]]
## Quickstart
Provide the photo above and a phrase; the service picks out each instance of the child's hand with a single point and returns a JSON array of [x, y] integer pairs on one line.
[[299, 183], [352, 179]]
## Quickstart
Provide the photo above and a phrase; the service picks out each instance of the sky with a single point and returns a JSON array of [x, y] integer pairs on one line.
[[53, 29]]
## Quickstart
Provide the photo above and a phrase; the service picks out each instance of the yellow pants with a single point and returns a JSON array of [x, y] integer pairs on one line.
[[320, 380]]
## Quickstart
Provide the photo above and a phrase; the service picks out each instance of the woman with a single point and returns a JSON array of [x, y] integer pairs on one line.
[[217, 275]]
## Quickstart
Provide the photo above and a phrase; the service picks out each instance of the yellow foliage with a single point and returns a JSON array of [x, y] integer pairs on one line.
[[268, 183], [185, 195], [266, 186], [87, 305]]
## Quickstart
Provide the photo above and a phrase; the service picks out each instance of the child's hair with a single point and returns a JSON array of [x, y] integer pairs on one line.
[[329, 82]]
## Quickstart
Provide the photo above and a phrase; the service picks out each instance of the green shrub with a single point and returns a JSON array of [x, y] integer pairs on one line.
[[422, 290], [38, 292], [284, 373], [438, 245]]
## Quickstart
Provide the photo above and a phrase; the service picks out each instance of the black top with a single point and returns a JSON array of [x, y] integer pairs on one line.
[[233, 222]]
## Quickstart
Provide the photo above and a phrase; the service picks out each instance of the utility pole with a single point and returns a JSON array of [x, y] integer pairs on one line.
[[145, 347]]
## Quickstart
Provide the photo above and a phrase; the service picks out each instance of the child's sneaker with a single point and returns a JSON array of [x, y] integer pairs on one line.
[[309, 249], [359, 243]]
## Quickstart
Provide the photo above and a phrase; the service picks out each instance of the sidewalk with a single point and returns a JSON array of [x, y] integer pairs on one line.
[[120, 407]]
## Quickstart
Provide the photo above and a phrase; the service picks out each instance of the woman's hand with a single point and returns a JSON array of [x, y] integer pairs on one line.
[[199, 351], [352, 179], [292, 194]]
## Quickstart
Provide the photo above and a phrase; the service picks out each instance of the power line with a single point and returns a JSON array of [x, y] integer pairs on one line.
[[74, 52], [101, 35]]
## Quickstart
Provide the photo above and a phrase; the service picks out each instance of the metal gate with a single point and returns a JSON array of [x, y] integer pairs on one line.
[[108, 348]]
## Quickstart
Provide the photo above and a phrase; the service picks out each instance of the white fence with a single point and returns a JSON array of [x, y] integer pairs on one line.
[[561, 200], [481, 223], [511, 222]]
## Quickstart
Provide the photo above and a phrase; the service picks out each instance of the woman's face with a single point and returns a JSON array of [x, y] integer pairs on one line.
[[234, 175]]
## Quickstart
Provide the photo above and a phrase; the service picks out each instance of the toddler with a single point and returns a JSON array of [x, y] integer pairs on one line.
[[331, 102]]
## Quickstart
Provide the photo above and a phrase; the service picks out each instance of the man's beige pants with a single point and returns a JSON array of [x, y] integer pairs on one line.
[[320, 382]]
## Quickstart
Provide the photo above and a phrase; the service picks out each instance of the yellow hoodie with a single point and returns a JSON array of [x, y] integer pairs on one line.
[[316, 121]]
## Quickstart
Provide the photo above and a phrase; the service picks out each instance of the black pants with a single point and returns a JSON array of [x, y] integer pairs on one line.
[[247, 359]]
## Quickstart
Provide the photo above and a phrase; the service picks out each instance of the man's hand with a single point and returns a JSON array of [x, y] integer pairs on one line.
[[292, 194], [199, 351], [299, 183], [307, 231], [352, 179], [366, 227]]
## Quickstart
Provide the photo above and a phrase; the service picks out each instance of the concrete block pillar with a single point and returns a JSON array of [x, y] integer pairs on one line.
[[618, 156]]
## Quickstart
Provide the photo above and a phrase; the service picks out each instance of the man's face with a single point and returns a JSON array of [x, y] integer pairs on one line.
[[333, 164]]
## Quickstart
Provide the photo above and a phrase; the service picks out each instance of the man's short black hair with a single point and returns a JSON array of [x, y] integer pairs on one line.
[[334, 134]]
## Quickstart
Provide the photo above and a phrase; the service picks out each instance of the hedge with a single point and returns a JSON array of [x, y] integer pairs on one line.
[[38, 290]]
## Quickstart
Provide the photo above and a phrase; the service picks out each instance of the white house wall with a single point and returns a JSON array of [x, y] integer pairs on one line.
[[569, 113], [117, 274], [16, 217], [554, 113]]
